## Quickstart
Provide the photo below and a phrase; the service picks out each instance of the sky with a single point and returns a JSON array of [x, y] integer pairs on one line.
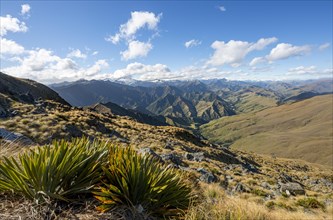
[[56, 41]]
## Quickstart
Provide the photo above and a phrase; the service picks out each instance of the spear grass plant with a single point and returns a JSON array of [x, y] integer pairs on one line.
[[61, 171], [143, 185]]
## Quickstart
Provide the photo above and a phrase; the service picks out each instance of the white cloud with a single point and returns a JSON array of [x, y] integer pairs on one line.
[[25, 9], [141, 71], [222, 8], [324, 46], [96, 68], [234, 52], [257, 60], [138, 20], [311, 70], [43, 66], [136, 49], [10, 47], [8, 23], [284, 51], [94, 53], [301, 70], [77, 54], [192, 43]]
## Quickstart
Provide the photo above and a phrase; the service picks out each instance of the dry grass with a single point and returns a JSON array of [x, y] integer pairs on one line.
[[218, 206], [291, 130]]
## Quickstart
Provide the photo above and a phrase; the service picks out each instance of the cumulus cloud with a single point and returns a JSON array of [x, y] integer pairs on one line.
[[310, 70], [234, 52], [284, 51], [301, 70], [257, 60], [136, 49], [192, 43], [127, 32], [25, 9], [141, 71], [11, 24], [10, 47], [222, 8], [43, 66], [96, 68], [77, 54], [94, 53], [138, 20], [324, 46]]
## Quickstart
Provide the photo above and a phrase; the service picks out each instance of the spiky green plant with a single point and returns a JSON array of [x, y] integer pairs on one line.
[[60, 171], [142, 184]]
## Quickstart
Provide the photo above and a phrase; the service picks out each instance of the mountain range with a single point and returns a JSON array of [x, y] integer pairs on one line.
[[190, 104]]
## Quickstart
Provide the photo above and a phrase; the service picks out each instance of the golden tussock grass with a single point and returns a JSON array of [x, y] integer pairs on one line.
[[216, 205]]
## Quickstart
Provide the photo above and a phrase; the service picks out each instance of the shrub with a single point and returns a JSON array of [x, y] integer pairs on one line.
[[143, 184], [310, 203], [61, 171]]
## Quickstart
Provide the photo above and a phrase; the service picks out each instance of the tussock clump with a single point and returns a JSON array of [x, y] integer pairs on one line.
[[143, 185]]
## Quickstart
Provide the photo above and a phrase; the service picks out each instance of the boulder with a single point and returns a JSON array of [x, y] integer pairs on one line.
[[241, 188], [171, 158], [195, 156], [15, 137], [292, 188], [206, 176]]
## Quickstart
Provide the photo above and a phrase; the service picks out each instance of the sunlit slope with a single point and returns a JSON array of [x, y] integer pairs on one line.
[[300, 130]]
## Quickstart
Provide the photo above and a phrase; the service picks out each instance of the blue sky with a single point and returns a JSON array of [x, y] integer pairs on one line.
[[58, 41]]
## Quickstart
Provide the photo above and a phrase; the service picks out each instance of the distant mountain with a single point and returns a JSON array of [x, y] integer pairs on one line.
[[299, 130], [185, 104], [111, 108]]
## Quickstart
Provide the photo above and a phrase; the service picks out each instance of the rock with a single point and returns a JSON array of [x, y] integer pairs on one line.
[[195, 156], [288, 193], [285, 178], [15, 137], [250, 168], [241, 188], [188, 156], [73, 130], [305, 177], [266, 185], [171, 158], [200, 156], [184, 168], [169, 145], [147, 151], [206, 176], [172, 166], [293, 188], [3, 113], [38, 110]]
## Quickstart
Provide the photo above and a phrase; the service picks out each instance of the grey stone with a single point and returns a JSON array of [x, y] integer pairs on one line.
[[240, 188], [285, 178], [15, 137], [206, 176], [171, 158], [293, 188]]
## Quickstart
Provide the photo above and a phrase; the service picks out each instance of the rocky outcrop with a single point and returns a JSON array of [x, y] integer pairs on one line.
[[292, 188], [9, 136]]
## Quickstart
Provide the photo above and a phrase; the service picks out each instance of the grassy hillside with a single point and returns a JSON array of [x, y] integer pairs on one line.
[[300, 130]]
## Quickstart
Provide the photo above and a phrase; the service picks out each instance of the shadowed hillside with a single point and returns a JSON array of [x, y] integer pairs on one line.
[[300, 130]]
